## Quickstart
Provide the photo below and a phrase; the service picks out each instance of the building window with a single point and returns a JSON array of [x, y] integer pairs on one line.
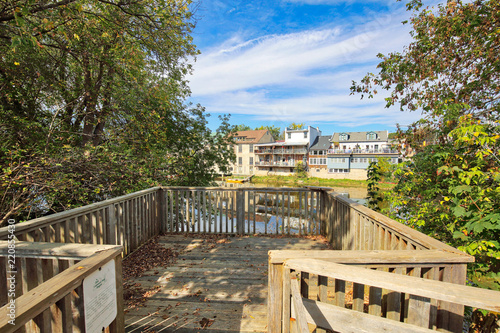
[[371, 136], [240, 160], [240, 148], [305, 135], [338, 170], [250, 147], [289, 135], [317, 161], [343, 137], [251, 161]]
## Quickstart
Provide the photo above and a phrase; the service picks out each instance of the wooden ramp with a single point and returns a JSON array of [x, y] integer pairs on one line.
[[218, 284]]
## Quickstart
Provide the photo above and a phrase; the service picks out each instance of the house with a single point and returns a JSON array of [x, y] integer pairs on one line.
[[283, 156], [244, 150], [352, 152], [317, 162]]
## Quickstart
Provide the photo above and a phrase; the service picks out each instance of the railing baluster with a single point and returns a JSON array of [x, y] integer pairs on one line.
[[265, 212], [358, 297], [340, 293], [288, 213]]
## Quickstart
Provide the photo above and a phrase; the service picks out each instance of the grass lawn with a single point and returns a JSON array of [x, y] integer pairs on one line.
[[313, 181]]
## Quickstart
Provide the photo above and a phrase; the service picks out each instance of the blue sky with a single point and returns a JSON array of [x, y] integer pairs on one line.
[[276, 62]]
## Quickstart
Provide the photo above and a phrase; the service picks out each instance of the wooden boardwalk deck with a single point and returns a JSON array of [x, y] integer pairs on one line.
[[217, 284]]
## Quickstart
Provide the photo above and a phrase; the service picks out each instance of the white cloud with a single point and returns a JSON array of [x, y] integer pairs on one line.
[[303, 76]]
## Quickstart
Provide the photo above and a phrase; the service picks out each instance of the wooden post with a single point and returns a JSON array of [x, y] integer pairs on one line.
[[111, 226], [286, 300], [240, 211], [275, 298], [322, 228], [118, 325], [161, 207]]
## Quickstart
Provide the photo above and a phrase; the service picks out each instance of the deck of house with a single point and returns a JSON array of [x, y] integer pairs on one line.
[[377, 273], [218, 284]]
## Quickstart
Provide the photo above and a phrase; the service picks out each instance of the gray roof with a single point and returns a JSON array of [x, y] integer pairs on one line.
[[360, 136], [321, 142]]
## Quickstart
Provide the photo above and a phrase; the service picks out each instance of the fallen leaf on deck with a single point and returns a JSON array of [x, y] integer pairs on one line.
[[205, 322]]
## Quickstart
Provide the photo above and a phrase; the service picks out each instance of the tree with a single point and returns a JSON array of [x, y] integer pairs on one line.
[[242, 127], [92, 104], [451, 73], [295, 126], [453, 59], [300, 169], [275, 131]]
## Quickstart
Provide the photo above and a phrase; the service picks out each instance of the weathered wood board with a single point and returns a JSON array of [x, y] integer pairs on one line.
[[220, 284]]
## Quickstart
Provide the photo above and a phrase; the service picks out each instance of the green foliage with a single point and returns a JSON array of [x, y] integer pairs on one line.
[[453, 59], [300, 170], [374, 195], [275, 131], [242, 127], [295, 126], [450, 187], [92, 104], [451, 191]]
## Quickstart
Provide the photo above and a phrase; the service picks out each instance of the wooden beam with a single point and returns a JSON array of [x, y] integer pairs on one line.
[[55, 250], [40, 298], [299, 306], [373, 257], [339, 319], [48, 220], [444, 291]]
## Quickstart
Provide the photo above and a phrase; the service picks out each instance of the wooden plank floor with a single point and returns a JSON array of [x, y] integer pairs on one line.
[[217, 284]]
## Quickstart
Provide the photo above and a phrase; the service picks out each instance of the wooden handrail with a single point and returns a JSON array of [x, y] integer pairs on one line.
[[431, 264], [373, 257], [40, 298], [234, 189], [439, 290], [400, 228], [46, 220], [55, 250]]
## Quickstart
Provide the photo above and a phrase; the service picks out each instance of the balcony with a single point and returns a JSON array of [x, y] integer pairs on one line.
[[270, 164], [362, 151], [279, 151]]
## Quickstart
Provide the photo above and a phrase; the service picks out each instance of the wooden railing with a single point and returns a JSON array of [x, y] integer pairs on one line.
[[42, 290], [132, 219], [365, 237], [253, 210], [430, 264], [129, 220], [351, 226], [379, 301]]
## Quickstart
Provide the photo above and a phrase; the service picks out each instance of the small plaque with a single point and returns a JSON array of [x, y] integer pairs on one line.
[[99, 298]]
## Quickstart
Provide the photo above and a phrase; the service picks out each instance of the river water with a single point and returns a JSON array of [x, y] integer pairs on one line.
[[357, 194]]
